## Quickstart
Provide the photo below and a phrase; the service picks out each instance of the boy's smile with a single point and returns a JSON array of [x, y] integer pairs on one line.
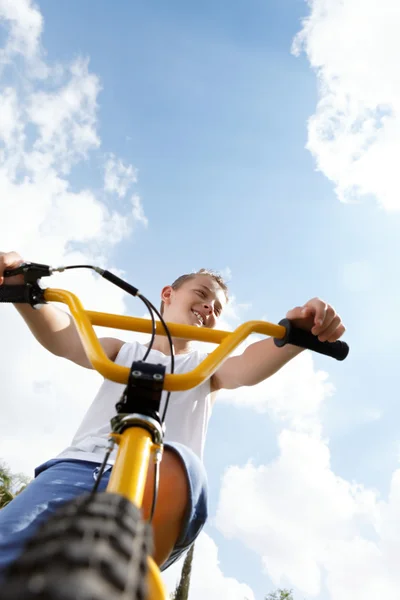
[[200, 320]]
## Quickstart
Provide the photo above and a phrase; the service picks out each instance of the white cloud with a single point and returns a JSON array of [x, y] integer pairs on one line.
[[293, 395], [233, 313], [226, 274], [66, 118], [354, 134], [207, 579], [372, 414], [137, 210], [118, 177], [10, 130], [48, 123], [312, 530], [24, 27], [306, 522]]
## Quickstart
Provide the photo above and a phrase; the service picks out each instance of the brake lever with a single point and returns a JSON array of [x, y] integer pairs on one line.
[[31, 271]]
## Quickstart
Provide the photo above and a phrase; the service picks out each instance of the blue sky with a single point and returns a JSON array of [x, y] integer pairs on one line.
[[212, 108]]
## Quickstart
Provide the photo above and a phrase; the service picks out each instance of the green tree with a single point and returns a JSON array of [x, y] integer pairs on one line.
[[182, 589], [11, 484], [280, 595], [6, 494]]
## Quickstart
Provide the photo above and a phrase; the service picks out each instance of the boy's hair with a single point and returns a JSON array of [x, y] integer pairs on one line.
[[183, 278]]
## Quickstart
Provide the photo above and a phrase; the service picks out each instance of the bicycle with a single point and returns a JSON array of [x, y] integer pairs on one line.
[[98, 546]]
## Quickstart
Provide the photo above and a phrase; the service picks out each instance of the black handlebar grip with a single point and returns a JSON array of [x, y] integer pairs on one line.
[[305, 339], [22, 294], [15, 293]]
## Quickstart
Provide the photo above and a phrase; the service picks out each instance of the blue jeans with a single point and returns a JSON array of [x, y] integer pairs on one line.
[[58, 481]]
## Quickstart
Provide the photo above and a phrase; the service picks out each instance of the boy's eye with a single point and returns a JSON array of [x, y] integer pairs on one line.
[[202, 293]]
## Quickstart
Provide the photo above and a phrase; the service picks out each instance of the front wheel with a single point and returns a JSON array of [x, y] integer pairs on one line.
[[94, 548]]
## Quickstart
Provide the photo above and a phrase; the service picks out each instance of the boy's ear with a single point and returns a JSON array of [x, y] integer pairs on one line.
[[166, 294]]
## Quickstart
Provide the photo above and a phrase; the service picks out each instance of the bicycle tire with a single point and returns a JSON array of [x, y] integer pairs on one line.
[[93, 548]]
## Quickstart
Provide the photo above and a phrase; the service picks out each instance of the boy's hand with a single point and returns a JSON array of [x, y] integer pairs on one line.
[[318, 317], [10, 260]]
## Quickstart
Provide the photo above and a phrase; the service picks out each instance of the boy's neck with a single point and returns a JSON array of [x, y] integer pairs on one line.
[[161, 344]]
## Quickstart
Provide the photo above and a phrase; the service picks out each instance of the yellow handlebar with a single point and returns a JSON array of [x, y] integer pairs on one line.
[[227, 340]]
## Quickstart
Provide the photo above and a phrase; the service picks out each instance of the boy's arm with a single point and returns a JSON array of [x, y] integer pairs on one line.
[[258, 362], [262, 359], [55, 330]]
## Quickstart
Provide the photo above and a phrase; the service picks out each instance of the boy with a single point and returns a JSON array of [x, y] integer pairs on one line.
[[181, 510]]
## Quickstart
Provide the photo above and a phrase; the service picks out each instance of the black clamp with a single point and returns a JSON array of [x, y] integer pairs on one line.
[[144, 390]]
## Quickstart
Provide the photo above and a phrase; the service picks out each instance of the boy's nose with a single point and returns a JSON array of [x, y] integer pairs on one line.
[[208, 309]]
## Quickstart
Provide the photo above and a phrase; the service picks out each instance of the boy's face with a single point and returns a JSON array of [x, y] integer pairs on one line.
[[199, 301]]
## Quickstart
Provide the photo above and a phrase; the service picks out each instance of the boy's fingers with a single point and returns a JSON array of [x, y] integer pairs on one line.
[[9, 260], [333, 331], [320, 313], [295, 313]]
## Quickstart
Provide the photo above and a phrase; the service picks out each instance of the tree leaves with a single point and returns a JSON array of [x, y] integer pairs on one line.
[[11, 484], [182, 589], [280, 594]]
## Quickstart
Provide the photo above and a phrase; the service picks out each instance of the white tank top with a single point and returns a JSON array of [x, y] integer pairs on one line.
[[187, 415]]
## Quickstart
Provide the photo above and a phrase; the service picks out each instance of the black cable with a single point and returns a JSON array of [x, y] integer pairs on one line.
[[152, 308], [129, 289], [155, 489], [153, 327], [78, 267], [101, 472], [135, 292], [171, 345]]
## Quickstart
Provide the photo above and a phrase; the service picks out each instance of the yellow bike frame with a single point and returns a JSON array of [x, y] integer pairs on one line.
[[135, 444]]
